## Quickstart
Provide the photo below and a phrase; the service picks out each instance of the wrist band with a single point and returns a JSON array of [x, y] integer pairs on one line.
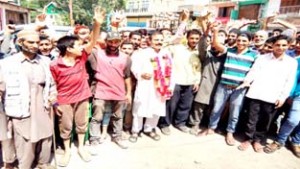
[[55, 104]]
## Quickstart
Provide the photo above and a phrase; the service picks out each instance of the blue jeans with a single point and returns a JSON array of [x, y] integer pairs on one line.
[[291, 123], [235, 97]]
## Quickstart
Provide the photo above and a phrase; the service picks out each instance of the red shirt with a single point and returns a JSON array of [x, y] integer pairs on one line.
[[71, 81], [110, 73]]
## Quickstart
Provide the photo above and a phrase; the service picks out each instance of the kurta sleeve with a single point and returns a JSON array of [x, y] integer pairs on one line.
[[137, 62]]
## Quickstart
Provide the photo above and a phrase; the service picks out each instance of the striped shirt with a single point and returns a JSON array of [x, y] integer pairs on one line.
[[236, 66]]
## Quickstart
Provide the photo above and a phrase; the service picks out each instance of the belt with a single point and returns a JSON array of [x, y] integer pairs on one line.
[[230, 86]]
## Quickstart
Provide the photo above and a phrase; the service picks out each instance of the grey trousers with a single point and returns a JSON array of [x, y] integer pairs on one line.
[[196, 114], [27, 151], [8, 151], [109, 106]]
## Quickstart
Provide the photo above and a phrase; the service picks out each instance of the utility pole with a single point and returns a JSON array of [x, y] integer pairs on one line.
[[71, 12]]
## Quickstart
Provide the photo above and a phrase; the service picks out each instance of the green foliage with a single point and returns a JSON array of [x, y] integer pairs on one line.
[[82, 9]]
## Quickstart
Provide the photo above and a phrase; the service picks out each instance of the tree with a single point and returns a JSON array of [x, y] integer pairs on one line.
[[82, 10]]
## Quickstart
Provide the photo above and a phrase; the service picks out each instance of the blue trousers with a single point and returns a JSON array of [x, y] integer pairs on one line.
[[178, 107]]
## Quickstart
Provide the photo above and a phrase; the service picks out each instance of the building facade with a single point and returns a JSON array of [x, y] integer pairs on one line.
[[11, 12], [164, 13], [152, 13]]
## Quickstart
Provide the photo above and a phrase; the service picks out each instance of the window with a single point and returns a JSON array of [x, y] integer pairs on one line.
[[130, 6], [145, 6]]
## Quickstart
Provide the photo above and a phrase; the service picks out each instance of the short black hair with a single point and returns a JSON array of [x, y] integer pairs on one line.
[[223, 31], [154, 34], [65, 42], [277, 30], [270, 40], [44, 37], [143, 32], [135, 33], [282, 37], [235, 31], [246, 34], [193, 32]]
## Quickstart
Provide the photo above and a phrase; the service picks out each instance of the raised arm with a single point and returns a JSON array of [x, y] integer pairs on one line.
[[99, 16], [215, 39], [6, 44], [183, 19], [286, 25]]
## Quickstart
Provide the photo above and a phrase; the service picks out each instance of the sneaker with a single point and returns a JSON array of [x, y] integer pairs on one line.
[[195, 130], [121, 143], [65, 159], [102, 139], [183, 129], [94, 148], [166, 131], [296, 149], [271, 148], [133, 138], [84, 155], [125, 135]]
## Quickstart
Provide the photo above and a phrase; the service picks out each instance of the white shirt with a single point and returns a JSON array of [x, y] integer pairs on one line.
[[187, 67], [272, 78]]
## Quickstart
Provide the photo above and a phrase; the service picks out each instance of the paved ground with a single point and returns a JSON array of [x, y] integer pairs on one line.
[[183, 151]]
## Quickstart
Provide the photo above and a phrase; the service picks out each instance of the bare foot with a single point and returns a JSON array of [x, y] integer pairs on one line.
[[230, 139], [244, 145], [210, 131], [258, 147], [206, 132]]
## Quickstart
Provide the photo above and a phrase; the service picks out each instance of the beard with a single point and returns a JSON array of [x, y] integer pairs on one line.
[[112, 50], [25, 49], [136, 46], [230, 42]]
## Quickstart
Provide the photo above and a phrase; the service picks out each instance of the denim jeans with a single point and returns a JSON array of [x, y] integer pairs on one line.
[[235, 97], [291, 123]]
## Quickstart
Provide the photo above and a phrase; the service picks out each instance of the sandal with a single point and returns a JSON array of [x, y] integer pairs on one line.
[[102, 139], [153, 135], [84, 155], [271, 148], [133, 138], [258, 147], [64, 161]]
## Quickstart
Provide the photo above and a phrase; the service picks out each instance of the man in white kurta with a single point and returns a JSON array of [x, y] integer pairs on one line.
[[148, 102]]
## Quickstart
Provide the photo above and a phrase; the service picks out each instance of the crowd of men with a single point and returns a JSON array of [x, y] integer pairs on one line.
[[137, 82]]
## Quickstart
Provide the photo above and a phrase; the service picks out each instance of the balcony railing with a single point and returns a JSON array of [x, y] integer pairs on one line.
[[290, 9], [136, 10]]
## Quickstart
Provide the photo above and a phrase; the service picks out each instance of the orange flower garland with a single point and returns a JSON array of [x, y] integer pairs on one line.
[[162, 79]]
